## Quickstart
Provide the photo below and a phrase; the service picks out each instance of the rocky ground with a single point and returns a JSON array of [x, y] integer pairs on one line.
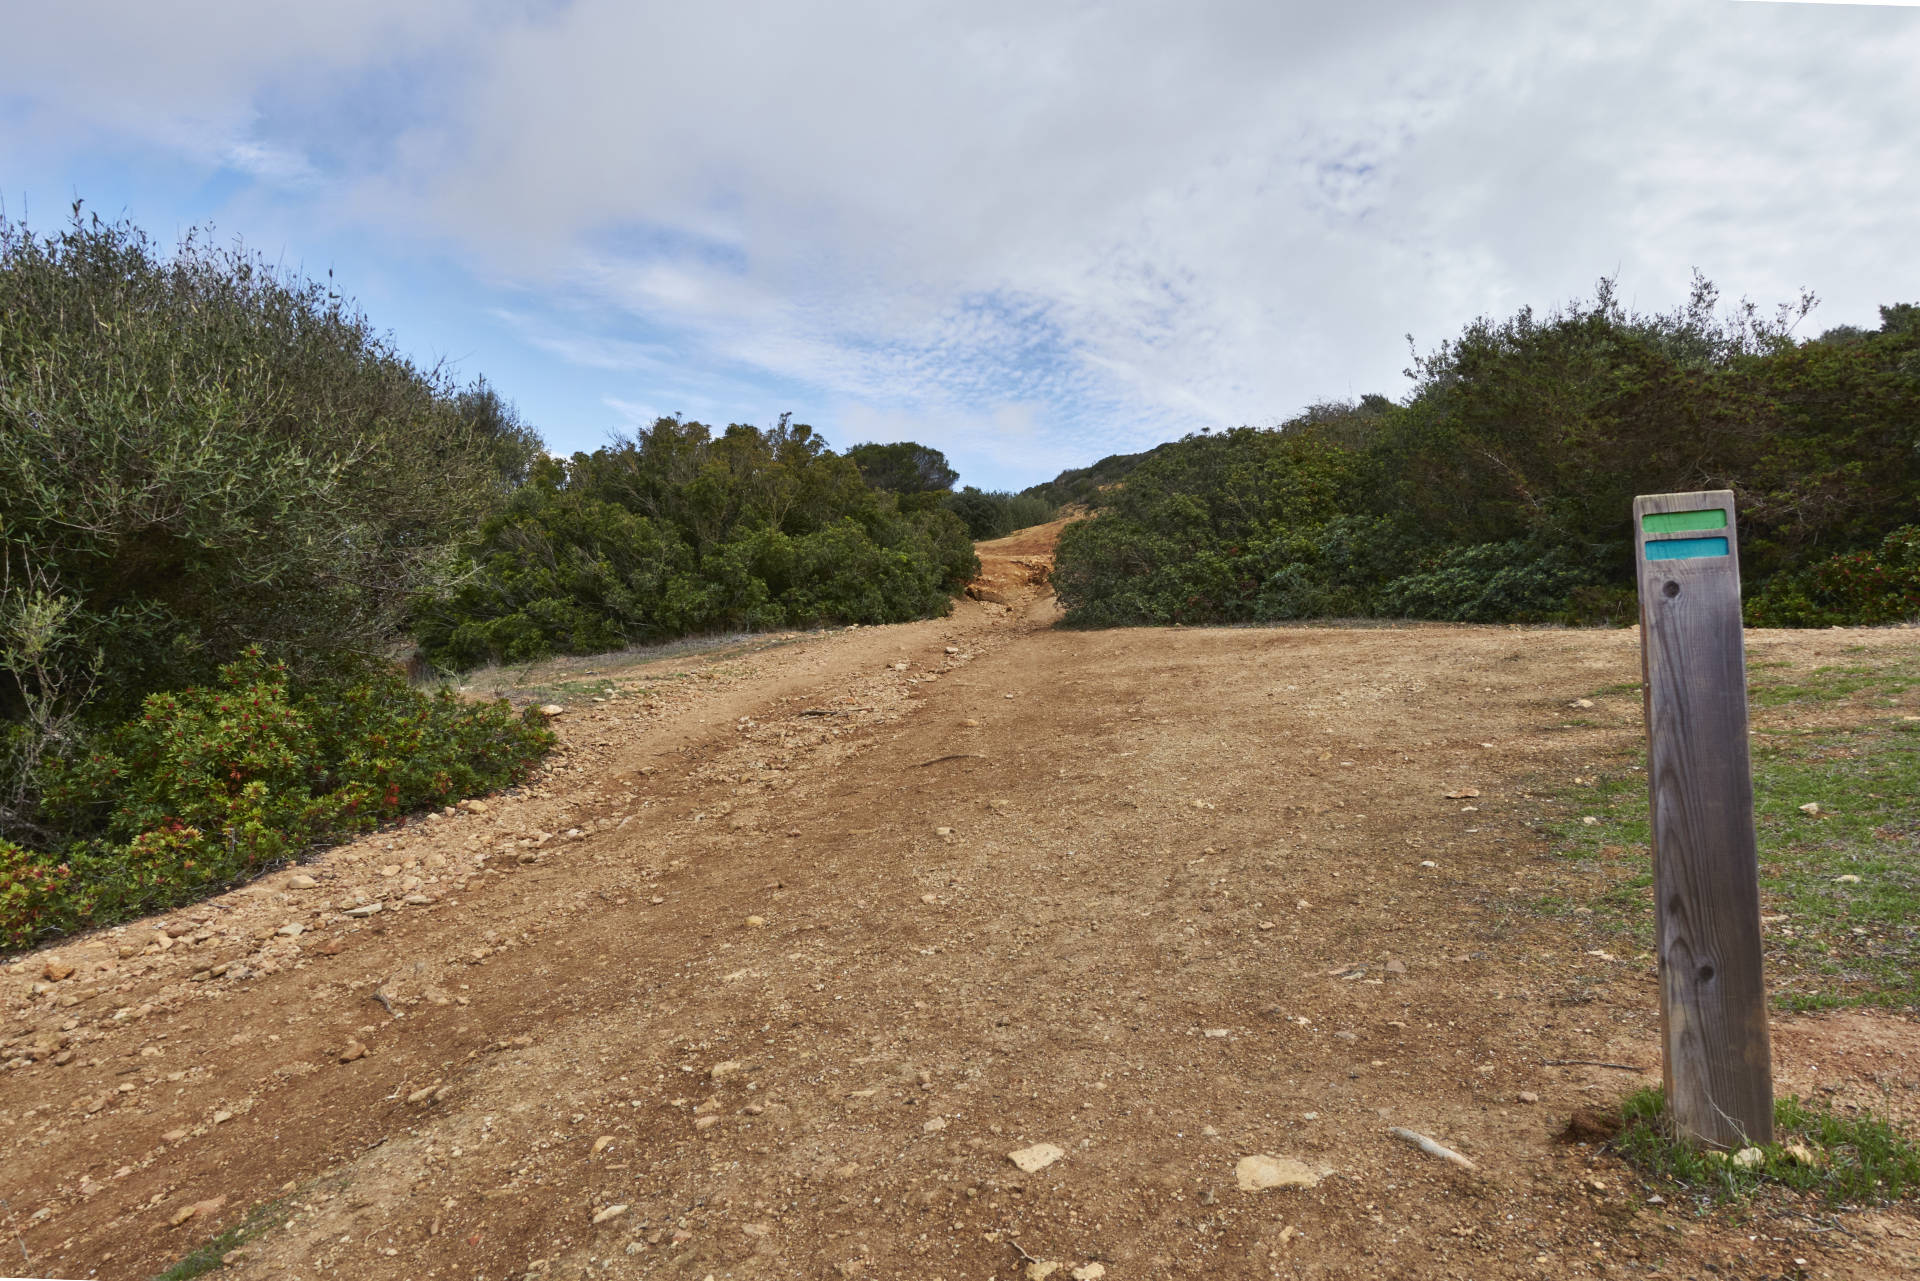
[[962, 949]]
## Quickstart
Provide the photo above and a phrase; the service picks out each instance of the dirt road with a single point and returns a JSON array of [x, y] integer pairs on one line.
[[773, 973]]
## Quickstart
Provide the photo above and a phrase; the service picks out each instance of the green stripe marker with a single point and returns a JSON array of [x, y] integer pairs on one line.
[[1681, 522]]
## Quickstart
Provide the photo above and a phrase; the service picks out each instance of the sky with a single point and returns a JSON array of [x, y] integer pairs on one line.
[[1030, 234]]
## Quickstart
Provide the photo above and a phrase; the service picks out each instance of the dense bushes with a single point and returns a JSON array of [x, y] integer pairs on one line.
[[1222, 529], [1501, 489], [1085, 485], [677, 530], [1875, 585], [202, 454], [205, 786], [1488, 583], [199, 454], [997, 514]]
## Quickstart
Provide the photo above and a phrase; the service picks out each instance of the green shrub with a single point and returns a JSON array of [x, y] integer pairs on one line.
[[677, 531], [1862, 588], [199, 453], [207, 786], [34, 892], [1491, 583], [1603, 606], [995, 515], [1215, 529], [233, 759]]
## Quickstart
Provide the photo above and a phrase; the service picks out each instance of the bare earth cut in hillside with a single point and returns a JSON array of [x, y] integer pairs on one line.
[[957, 949]]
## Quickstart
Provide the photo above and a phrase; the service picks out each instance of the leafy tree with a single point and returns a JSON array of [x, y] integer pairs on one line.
[[904, 468]]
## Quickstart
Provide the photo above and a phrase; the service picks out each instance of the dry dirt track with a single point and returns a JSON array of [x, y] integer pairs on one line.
[[1161, 898]]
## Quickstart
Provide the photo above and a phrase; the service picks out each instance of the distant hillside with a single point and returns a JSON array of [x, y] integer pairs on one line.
[[1083, 484]]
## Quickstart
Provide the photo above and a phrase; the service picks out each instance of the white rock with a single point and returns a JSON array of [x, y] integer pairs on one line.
[[1034, 1159], [551, 710], [1089, 1272], [611, 1212], [1748, 1158], [301, 881], [1260, 1172]]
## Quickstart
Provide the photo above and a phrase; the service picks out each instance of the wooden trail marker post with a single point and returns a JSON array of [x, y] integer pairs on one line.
[[1717, 1058]]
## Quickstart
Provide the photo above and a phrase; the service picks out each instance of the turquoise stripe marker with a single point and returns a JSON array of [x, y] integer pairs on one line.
[[1685, 548]]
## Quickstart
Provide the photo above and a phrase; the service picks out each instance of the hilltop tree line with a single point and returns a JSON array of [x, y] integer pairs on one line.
[[1500, 489], [229, 508]]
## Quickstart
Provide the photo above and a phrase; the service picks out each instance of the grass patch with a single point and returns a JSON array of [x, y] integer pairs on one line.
[[577, 679], [1625, 687], [264, 1218], [1840, 888], [1881, 683], [1845, 1160]]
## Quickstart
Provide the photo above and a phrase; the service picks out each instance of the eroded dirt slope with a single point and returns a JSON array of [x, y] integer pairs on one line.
[[770, 977]]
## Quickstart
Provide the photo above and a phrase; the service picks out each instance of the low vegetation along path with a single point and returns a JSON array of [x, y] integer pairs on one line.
[[958, 949]]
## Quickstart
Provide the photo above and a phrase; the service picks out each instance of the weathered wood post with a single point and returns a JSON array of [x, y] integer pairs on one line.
[[1718, 1060]]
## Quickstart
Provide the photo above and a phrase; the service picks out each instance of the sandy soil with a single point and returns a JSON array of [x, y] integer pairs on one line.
[[773, 971]]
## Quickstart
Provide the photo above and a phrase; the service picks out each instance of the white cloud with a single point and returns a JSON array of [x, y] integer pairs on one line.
[[1113, 222], [280, 166], [632, 413]]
